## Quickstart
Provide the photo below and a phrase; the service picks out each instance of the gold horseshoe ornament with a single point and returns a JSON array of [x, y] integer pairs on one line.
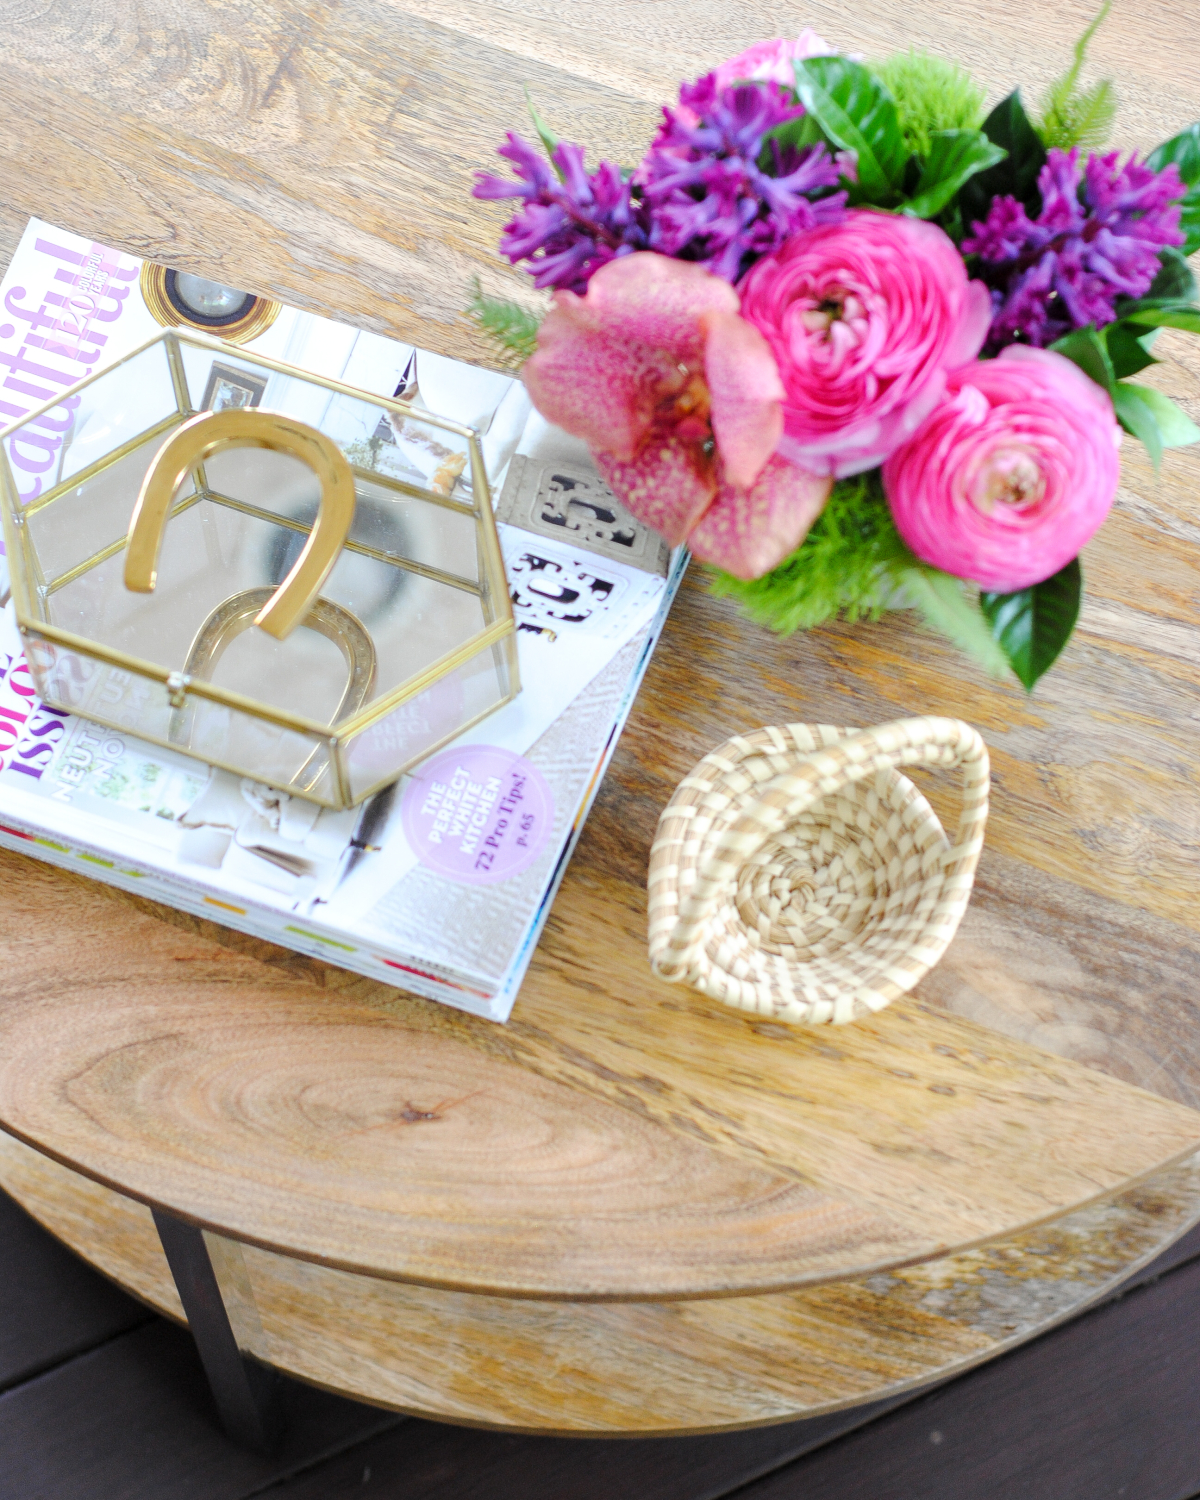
[[212, 432], [164, 642], [237, 614], [241, 611]]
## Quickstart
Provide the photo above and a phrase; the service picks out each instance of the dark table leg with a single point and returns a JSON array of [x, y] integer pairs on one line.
[[245, 1392]]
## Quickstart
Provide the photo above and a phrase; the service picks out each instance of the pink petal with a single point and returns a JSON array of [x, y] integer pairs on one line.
[[594, 386], [746, 392], [1066, 372], [974, 322], [602, 360], [658, 301], [772, 60], [750, 532], [666, 485]]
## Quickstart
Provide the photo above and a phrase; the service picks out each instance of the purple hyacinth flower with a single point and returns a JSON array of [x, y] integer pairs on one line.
[[716, 196], [567, 229], [1098, 237]]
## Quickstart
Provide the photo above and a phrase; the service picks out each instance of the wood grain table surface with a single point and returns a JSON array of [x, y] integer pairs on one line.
[[701, 1218]]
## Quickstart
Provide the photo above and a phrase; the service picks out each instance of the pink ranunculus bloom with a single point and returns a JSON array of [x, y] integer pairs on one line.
[[679, 400], [772, 61], [1011, 474], [865, 319]]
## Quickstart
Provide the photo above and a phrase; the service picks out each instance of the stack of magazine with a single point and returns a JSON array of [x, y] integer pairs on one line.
[[442, 883]]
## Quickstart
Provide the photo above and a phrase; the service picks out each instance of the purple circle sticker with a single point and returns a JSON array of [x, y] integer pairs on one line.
[[478, 815]]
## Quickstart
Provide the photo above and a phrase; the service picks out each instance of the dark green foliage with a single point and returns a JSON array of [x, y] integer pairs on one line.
[[954, 157], [1184, 150], [1034, 624], [1008, 127], [801, 132], [1169, 302], [1128, 348], [856, 113], [1085, 347], [1174, 282]]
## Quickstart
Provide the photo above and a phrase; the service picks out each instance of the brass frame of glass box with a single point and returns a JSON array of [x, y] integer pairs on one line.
[[28, 583]]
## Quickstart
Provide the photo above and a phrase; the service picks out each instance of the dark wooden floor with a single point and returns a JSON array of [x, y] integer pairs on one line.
[[100, 1400]]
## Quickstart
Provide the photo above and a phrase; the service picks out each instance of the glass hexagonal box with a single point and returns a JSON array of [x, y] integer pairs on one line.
[[268, 570]]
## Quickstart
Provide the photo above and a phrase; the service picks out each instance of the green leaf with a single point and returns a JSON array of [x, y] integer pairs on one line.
[[1174, 282], [1154, 419], [1033, 625], [1008, 127], [1189, 221], [1165, 315], [800, 132], [954, 156], [857, 114], [1074, 118], [1172, 291], [547, 137], [1085, 348], [1184, 150], [946, 606], [1175, 428], [1137, 419], [511, 327], [1127, 348]]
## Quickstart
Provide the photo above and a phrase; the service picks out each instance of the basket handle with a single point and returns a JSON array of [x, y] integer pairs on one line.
[[212, 432], [862, 753]]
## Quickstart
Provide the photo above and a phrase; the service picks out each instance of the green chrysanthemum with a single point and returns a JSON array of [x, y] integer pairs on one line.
[[931, 94], [848, 565]]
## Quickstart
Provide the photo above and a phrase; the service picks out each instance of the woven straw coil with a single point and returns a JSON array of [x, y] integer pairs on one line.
[[798, 874]]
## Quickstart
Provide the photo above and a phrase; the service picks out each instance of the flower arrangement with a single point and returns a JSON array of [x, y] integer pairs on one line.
[[855, 342]]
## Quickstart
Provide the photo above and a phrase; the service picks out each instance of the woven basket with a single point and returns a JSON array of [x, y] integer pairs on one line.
[[798, 874]]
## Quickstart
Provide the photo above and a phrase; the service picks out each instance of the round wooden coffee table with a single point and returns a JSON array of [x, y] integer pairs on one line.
[[630, 1209]]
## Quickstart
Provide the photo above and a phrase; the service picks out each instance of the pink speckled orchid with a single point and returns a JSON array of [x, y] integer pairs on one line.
[[679, 400]]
